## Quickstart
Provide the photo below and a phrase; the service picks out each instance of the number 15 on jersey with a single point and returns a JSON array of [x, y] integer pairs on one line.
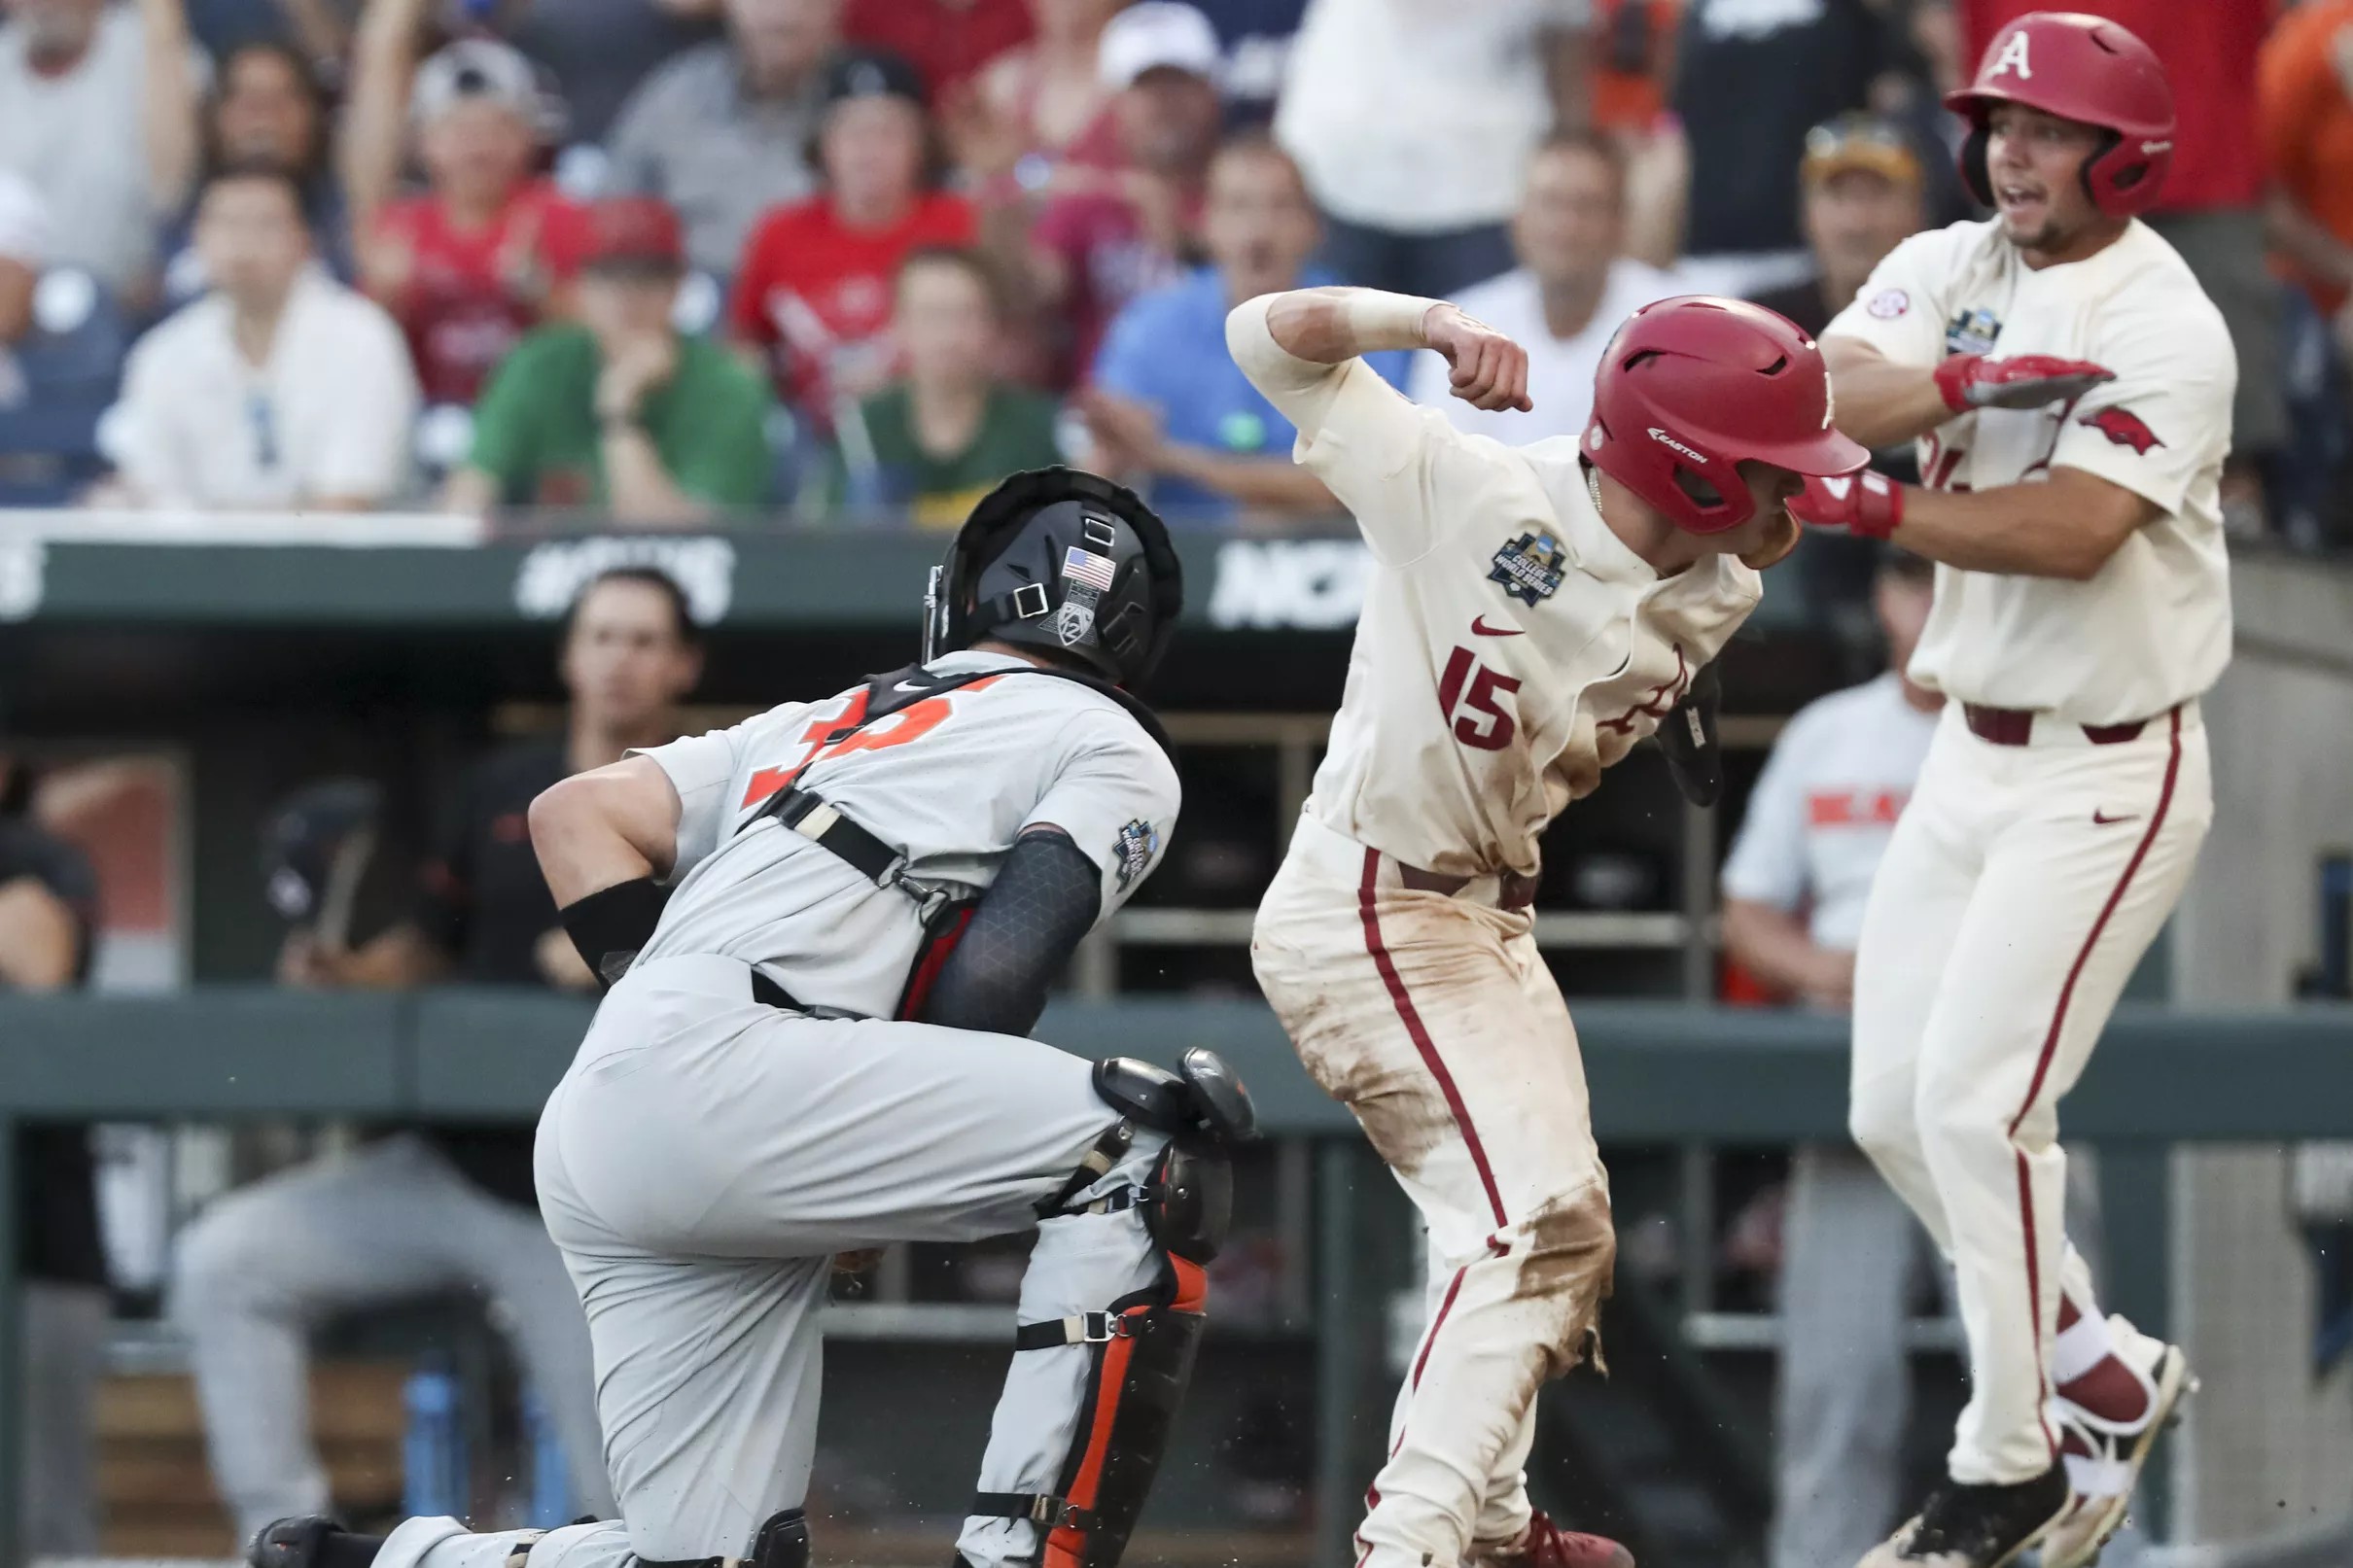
[[1469, 694]]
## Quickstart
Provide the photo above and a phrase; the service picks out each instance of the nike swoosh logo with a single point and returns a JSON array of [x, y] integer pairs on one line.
[[1480, 628], [910, 685], [2103, 819]]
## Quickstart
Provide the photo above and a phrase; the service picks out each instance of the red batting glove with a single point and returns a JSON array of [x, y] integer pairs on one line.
[[2022, 381], [1867, 505]]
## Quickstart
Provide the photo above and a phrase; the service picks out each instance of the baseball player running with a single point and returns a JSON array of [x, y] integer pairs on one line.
[[1533, 613], [2082, 607], [814, 1047]]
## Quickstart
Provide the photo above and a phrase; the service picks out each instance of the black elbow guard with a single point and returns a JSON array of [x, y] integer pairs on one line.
[[610, 924], [1022, 935]]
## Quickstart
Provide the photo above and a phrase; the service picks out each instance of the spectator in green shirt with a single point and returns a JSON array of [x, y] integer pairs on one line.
[[617, 411], [938, 439]]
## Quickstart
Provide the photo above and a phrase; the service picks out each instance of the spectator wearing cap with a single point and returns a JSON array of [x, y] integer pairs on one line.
[[948, 41], [266, 108], [98, 109], [1749, 84], [618, 410], [1574, 285], [280, 388], [723, 131], [462, 264], [1169, 407], [941, 436], [2306, 82], [1414, 124], [813, 295], [1104, 241], [1863, 192]]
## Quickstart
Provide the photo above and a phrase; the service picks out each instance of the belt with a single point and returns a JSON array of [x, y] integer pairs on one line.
[[1513, 892], [2014, 726]]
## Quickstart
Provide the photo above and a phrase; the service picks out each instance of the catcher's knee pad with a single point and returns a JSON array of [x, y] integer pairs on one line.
[[1141, 1359]]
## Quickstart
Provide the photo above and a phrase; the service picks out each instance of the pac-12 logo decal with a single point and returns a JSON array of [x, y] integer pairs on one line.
[[1972, 332], [1138, 842], [1530, 568], [2124, 428]]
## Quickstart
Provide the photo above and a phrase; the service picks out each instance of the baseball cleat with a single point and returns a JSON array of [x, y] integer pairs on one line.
[[2103, 1459], [1964, 1526], [1545, 1544]]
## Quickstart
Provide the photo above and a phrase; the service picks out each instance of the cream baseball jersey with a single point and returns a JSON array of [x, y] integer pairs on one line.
[[951, 780], [2152, 627], [1826, 804], [1510, 647]]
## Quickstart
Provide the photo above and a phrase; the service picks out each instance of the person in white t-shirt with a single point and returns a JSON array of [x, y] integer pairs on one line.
[[1794, 889], [1413, 121], [2083, 607], [1571, 289], [279, 389], [98, 109]]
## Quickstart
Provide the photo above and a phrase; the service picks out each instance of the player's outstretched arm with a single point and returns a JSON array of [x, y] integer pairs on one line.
[[1294, 345], [2067, 527], [1882, 402]]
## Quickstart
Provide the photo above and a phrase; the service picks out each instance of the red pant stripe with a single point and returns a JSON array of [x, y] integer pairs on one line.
[[1411, 1018]]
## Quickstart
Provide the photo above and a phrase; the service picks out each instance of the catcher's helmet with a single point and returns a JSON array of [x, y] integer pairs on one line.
[[2085, 68], [1691, 387], [1064, 561]]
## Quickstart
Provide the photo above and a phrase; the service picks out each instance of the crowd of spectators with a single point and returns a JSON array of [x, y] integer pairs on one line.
[[949, 234]]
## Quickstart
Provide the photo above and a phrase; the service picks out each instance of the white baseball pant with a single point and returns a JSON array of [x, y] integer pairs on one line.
[[1435, 1021], [2022, 884]]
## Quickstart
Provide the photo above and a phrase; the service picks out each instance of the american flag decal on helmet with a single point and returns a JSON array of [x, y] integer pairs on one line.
[[1085, 566]]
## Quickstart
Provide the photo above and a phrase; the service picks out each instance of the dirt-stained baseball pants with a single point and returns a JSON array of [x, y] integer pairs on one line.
[[2022, 884], [1434, 1019], [700, 1165]]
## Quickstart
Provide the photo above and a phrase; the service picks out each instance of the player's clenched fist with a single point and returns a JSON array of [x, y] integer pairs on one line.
[[1867, 505], [2022, 381], [1486, 369]]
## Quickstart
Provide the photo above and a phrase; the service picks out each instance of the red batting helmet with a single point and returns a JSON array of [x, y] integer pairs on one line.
[[1691, 387], [2085, 68]]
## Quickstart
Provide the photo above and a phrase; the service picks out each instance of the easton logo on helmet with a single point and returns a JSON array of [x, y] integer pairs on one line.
[[1664, 439]]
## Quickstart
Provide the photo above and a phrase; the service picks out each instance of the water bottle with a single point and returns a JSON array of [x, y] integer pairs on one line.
[[551, 1503], [433, 1452]]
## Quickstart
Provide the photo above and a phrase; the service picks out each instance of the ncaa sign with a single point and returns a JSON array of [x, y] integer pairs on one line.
[[1296, 584]]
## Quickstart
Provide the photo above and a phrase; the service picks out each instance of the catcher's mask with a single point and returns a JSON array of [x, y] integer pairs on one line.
[[1066, 562]]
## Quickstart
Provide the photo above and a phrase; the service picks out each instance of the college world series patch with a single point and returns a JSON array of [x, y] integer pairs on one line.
[[1138, 842], [1530, 568]]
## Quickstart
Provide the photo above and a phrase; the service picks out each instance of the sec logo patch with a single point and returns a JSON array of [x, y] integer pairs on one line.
[[1888, 304]]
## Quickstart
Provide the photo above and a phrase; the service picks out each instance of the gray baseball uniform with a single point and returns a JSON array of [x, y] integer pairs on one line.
[[706, 1154]]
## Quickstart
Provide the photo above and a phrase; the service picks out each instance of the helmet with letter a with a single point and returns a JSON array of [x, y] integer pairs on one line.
[[1693, 387], [1065, 562], [2087, 69]]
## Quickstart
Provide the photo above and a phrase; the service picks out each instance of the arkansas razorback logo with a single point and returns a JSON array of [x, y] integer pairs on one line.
[[2124, 428]]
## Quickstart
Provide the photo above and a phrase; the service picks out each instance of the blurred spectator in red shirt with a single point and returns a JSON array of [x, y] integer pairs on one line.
[[464, 266], [1104, 240], [813, 292], [1633, 55], [269, 110], [2212, 207], [1051, 94], [948, 41]]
